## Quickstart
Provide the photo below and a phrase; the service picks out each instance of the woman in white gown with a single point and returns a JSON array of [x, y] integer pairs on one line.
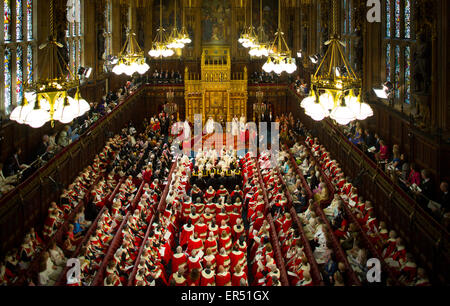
[[210, 125], [235, 126]]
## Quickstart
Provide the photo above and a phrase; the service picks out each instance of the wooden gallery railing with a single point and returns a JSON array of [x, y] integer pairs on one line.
[[426, 238], [27, 204]]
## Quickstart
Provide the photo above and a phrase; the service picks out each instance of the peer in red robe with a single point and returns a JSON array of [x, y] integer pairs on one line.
[[238, 275], [223, 277], [179, 259]]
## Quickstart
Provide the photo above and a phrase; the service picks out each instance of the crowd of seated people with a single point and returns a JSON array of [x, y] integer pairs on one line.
[[14, 170], [120, 266], [387, 243], [202, 237], [264, 78], [148, 152], [94, 183], [96, 246], [418, 183], [165, 77], [301, 86], [70, 199], [295, 258]]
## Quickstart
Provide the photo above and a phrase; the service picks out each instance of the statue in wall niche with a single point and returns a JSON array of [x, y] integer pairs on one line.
[[421, 66], [325, 38], [359, 52], [101, 44]]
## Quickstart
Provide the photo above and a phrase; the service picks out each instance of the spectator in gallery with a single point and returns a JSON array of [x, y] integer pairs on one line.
[[383, 153], [414, 175]]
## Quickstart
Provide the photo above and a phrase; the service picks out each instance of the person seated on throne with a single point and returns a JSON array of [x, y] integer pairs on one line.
[[210, 125]]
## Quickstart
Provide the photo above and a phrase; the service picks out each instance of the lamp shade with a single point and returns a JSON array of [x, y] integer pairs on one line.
[[308, 101], [343, 115], [364, 111], [316, 111], [20, 113], [37, 118], [66, 111], [327, 100]]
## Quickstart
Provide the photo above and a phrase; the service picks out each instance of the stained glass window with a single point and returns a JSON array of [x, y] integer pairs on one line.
[[79, 17], [350, 17], [407, 19], [74, 57], [30, 64], [388, 18], [79, 54], [397, 18], [399, 25], [18, 55], [7, 75], [345, 17], [407, 75], [19, 20], [74, 34], [19, 74], [397, 72], [388, 62], [30, 19], [7, 20]]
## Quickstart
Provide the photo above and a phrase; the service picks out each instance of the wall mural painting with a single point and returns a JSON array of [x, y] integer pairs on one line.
[[216, 21]]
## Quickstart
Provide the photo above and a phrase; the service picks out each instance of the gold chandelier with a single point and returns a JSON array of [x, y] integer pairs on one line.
[[131, 58], [184, 35], [334, 84], [159, 46], [47, 99], [280, 57], [175, 40], [248, 37], [261, 47]]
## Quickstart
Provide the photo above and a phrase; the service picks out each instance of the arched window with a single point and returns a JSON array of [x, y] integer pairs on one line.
[[17, 47], [74, 34], [398, 40], [108, 28], [348, 31]]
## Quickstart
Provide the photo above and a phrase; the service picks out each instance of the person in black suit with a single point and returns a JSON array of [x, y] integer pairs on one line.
[[426, 185], [369, 139], [444, 197]]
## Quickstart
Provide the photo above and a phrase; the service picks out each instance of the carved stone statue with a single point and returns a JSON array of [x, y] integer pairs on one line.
[[421, 65], [359, 52], [100, 44]]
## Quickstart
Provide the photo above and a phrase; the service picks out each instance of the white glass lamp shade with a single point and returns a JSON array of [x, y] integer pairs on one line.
[[268, 66], [167, 52], [254, 51], [153, 53], [278, 68], [66, 113], [143, 68], [351, 101], [363, 112], [291, 66], [316, 111], [81, 106], [20, 113], [308, 101], [37, 117], [119, 68], [327, 100], [30, 96], [343, 115]]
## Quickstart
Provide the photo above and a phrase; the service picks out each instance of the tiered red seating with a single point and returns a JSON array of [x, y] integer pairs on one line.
[[339, 252], [348, 209]]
